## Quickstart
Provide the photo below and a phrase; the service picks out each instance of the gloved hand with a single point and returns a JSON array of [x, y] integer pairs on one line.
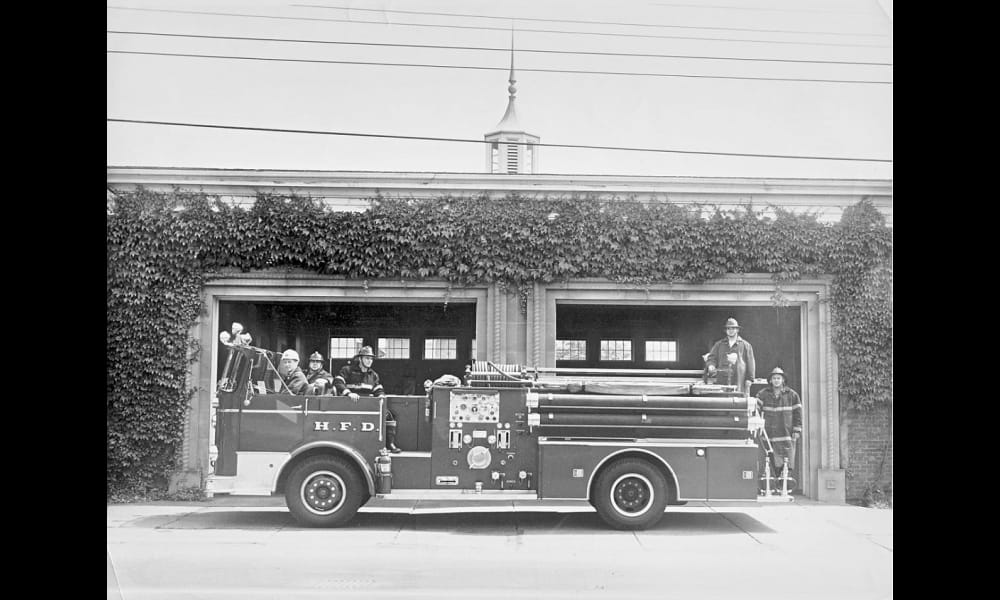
[[353, 396]]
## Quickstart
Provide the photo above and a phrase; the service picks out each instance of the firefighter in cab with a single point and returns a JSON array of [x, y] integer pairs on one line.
[[317, 376], [291, 374], [358, 378]]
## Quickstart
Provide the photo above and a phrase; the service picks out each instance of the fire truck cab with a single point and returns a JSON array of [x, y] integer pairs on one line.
[[629, 442]]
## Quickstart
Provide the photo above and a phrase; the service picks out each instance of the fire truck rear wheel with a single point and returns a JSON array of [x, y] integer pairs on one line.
[[325, 491], [630, 494]]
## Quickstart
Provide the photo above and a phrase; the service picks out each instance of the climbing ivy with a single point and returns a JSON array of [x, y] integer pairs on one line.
[[163, 246]]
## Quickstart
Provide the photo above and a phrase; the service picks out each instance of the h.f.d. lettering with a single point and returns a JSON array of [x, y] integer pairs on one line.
[[343, 426]]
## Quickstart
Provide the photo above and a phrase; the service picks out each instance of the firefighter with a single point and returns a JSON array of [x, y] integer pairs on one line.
[[291, 374], [731, 360], [782, 419], [317, 376], [358, 378]]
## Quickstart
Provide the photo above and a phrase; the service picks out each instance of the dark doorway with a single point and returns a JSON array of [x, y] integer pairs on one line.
[[309, 327], [774, 333]]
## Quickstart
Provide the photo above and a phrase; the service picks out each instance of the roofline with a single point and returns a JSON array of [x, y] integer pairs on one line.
[[354, 190], [116, 173]]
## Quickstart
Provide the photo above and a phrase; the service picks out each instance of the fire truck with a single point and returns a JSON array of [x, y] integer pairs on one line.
[[629, 442]]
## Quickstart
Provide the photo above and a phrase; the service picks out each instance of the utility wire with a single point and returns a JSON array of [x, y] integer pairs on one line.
[[762, 9], [765, 9], [504, 50], [581, 21], [481, 68], [504, 29], [470, 141]]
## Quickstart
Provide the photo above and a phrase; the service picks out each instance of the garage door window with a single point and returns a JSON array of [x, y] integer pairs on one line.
[[440, 349]]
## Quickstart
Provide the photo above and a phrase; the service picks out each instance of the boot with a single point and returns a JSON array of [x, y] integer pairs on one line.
[[390, 439]]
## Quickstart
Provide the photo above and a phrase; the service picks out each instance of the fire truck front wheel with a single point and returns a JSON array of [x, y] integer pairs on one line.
[[324, 491], [630, 494]]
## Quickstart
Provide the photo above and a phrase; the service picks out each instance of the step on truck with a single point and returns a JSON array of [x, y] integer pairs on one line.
[[629, 442]]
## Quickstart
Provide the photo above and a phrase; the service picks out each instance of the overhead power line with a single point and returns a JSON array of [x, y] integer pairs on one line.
[[582, 21], [492, 49], [481, 68], [486, 28], [764, 9], [470, 141]]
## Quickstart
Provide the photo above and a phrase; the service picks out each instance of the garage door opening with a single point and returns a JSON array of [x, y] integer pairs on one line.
[[414, 341], [674, 337]]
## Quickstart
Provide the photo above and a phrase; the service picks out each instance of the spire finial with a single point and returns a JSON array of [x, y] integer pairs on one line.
[[511, 89]]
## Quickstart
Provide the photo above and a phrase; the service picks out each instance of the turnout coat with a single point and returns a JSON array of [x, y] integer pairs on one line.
[[782, 413], [745, 367]]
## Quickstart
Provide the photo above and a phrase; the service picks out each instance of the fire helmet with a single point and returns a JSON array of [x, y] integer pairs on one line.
[[731, 322], [365, 351], [316, 356], [292, 354]]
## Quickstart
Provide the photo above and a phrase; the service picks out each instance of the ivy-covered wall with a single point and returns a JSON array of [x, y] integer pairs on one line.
[[162, 247]]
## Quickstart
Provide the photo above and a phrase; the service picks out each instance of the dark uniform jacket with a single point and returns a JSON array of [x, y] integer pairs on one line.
[[352, 379], [312, 376], [296, 381], [782, 413], [745, 367]]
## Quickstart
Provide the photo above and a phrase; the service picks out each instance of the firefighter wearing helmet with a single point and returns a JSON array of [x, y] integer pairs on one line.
[[358, 378], [291, 374], [318, 377], [731, 359], [782, 410]]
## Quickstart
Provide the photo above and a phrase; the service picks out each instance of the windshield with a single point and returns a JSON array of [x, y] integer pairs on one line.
[[256, 366]]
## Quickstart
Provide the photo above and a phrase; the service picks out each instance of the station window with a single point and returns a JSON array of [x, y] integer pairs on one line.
[[661, 350], [345, 347], [472, 354], [571, 349], [616, 349], [394, 348], [440, 348]]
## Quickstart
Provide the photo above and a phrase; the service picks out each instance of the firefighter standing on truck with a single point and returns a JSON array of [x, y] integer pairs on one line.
[[359, 379], [782, 419], [731, 359]]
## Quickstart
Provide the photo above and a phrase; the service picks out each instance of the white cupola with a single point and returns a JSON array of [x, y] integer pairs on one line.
[[510, 149]]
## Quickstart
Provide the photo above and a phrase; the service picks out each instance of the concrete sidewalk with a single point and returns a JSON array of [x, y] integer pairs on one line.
[[803, 516]]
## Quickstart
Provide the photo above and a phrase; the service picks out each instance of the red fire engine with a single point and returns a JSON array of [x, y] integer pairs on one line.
[[630, 442]]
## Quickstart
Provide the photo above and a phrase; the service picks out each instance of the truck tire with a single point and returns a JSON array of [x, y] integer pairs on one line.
[[630, 494], [325, 491]]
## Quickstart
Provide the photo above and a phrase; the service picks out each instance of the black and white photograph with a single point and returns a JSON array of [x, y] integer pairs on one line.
[[528, 300]]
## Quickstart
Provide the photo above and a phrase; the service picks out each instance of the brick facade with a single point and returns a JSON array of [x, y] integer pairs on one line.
[[869, 434]]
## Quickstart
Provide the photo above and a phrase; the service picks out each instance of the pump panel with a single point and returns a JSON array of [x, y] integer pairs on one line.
[[481, 436]]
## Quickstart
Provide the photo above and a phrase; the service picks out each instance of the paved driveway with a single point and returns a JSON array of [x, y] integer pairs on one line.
[[239, 548]]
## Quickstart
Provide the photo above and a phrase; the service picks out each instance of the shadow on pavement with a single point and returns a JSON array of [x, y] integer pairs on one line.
[[479, 523]]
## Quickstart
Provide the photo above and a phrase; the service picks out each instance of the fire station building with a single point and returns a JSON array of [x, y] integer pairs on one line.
[[425, 329]]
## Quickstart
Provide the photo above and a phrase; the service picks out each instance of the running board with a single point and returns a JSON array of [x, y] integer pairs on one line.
[[459, 495], [226, 484]]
